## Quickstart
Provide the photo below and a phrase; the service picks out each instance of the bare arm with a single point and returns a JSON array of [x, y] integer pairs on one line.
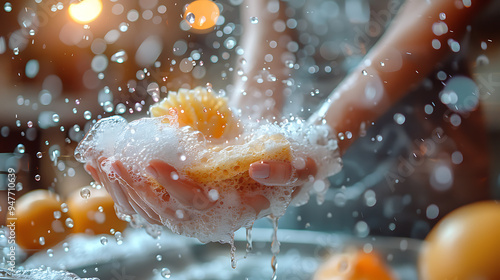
[[259, 87], [403, 57]]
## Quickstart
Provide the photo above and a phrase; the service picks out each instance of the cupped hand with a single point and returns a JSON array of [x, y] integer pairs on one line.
[[133, 197]]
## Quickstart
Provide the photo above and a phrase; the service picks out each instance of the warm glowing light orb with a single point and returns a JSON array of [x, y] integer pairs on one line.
[[201, 15], [85, 11]]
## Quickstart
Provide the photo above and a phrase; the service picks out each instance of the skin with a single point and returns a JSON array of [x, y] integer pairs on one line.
[[407, 56]]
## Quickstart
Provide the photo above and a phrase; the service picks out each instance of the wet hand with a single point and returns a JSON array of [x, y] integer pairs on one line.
[[135, 197], [278, 173]]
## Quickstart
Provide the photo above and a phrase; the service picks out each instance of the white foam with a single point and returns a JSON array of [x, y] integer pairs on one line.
[[45, 274], [136, 143]]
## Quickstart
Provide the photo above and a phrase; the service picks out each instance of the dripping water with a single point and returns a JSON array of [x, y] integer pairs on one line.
[[233, 253], [275, 247], [249, 241]]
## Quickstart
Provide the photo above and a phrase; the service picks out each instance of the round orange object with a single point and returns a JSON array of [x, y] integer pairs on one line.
[[40, 220], [201, 15], [464, 245], [356, 265], [95, 214]]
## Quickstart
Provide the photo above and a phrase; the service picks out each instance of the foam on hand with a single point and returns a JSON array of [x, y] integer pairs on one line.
[[196, 133]]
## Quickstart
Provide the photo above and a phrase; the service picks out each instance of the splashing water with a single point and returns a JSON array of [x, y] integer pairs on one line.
[[165, 273], [275, 248], [249, 241]]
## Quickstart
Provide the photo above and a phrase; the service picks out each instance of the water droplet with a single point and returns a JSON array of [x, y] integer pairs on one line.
[[159, 258], [179, 214], [65, 246], [123, 27], [190, 18], [249, 247], [50, 253], [39, 155], [41, 240], [85, 193], [69, 223], [37, 177], [108, 106], [119, 57], [254, 20], [364, 72], [55, 118], [120, 108], [165, 273], [213, 194], [104, 240], [119, 238], [100, 209], [230, 43], [7, 7], [30, 124], [16, 51], [399, 118], [87, 115], [57, 215], [64, 208], [21, 149]]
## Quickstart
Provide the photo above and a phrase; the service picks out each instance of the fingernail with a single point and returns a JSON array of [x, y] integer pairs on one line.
[[151, 171], [260, 170]]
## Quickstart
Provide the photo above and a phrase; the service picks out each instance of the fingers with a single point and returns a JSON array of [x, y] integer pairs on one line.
[[119, 197], [114, 189], [271, 173], [93, 172], [183, 191], [310, 169], [278, 173], [138, 202], [146, 215]]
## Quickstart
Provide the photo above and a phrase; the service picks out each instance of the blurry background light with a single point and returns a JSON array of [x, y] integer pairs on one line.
[[85, 11]]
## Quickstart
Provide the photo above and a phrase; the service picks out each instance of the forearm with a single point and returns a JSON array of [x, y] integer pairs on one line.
[[259, 73], [403, 57]]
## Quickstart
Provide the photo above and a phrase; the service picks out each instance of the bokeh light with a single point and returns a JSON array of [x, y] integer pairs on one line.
[[85, 11]]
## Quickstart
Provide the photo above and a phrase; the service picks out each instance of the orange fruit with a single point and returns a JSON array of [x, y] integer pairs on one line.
[[356, 265], [465, 244], [95, 214], [41, 223]]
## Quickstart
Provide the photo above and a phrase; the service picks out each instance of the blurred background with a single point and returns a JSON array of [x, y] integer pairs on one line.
[[420, 161]]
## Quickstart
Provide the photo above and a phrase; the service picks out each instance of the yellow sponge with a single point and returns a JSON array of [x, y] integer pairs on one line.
[[224, 165], [199, 108]]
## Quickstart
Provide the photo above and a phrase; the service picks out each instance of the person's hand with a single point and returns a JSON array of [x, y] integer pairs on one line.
[[140, 197], [133, 197], [278, 173]]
